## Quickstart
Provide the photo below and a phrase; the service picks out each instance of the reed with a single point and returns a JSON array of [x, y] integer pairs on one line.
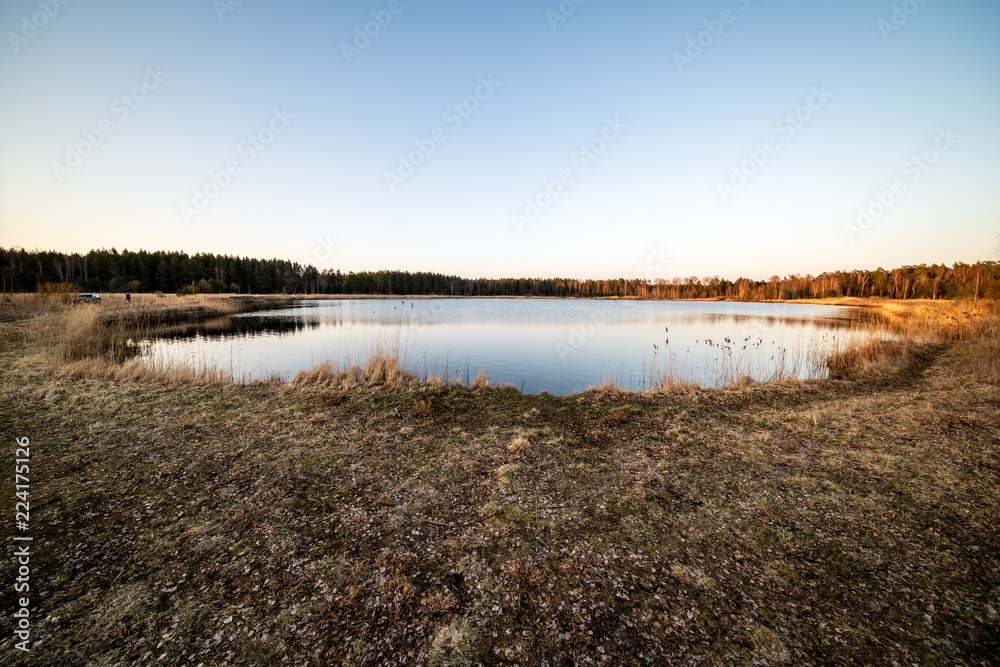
[[105, 340], [481, 381], [143, 371], [607, 389], [382, 359], [740, 362], [889, 336], [379, 369], [903, 331], [19, 305]]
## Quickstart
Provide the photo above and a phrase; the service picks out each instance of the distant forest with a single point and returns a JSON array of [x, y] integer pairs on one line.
[[178, 272]]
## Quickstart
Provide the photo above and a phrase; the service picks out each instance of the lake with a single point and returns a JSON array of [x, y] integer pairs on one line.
[[555, 345]]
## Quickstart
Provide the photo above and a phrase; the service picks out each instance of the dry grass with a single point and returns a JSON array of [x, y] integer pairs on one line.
[[379, 369], [385, 369], [28, 304], [481, 381], [674, 384], [873, 358], [104, 340], [518, 445], [453, 645], [607, 389], [901, 331], [821, 522]]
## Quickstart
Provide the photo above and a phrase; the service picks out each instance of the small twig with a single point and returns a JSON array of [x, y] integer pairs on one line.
[[436, 523]]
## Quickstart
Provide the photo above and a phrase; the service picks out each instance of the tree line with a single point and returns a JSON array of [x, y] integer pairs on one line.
[[160, 271]]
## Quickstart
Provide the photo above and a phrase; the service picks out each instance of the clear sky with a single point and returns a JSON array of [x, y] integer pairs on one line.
[[509, 138]]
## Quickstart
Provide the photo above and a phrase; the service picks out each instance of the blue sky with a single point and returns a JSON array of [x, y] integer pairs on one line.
[[585, 138]]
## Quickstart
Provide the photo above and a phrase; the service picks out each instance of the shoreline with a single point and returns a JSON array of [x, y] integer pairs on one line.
[[831, 301]]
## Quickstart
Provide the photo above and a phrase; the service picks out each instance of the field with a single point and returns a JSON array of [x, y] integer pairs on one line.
[[366, 518]]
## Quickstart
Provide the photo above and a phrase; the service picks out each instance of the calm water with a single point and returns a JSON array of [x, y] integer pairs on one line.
[[560, 346]]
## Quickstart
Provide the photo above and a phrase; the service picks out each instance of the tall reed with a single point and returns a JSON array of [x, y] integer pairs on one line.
[[105, 339], [903, 330]]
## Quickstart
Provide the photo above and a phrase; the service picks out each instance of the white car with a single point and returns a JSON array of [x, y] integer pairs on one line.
[[88, 296]]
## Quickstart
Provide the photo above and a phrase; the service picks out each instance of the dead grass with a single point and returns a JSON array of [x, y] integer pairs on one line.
[[347, 522], [379, 370], [481, 381], [103, 340], [674, 384], [608, 389], [873, 358], [899, 332], [518, 445], [453, 645], [385, 369]]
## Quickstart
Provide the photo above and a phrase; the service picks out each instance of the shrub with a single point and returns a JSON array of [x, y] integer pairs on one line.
[[58, 288]]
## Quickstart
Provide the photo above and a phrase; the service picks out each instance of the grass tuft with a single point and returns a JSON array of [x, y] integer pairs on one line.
[[453, 645], [481, 381]]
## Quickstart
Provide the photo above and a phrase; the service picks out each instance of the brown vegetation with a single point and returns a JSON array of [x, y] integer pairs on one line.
[[820, 522], [901, 332], [104, 340]]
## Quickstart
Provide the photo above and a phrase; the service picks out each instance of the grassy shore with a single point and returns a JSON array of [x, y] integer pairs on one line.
[[365, 518]]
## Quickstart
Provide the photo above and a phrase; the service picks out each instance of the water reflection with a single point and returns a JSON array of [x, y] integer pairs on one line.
[[230, 327], [557, 345]]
